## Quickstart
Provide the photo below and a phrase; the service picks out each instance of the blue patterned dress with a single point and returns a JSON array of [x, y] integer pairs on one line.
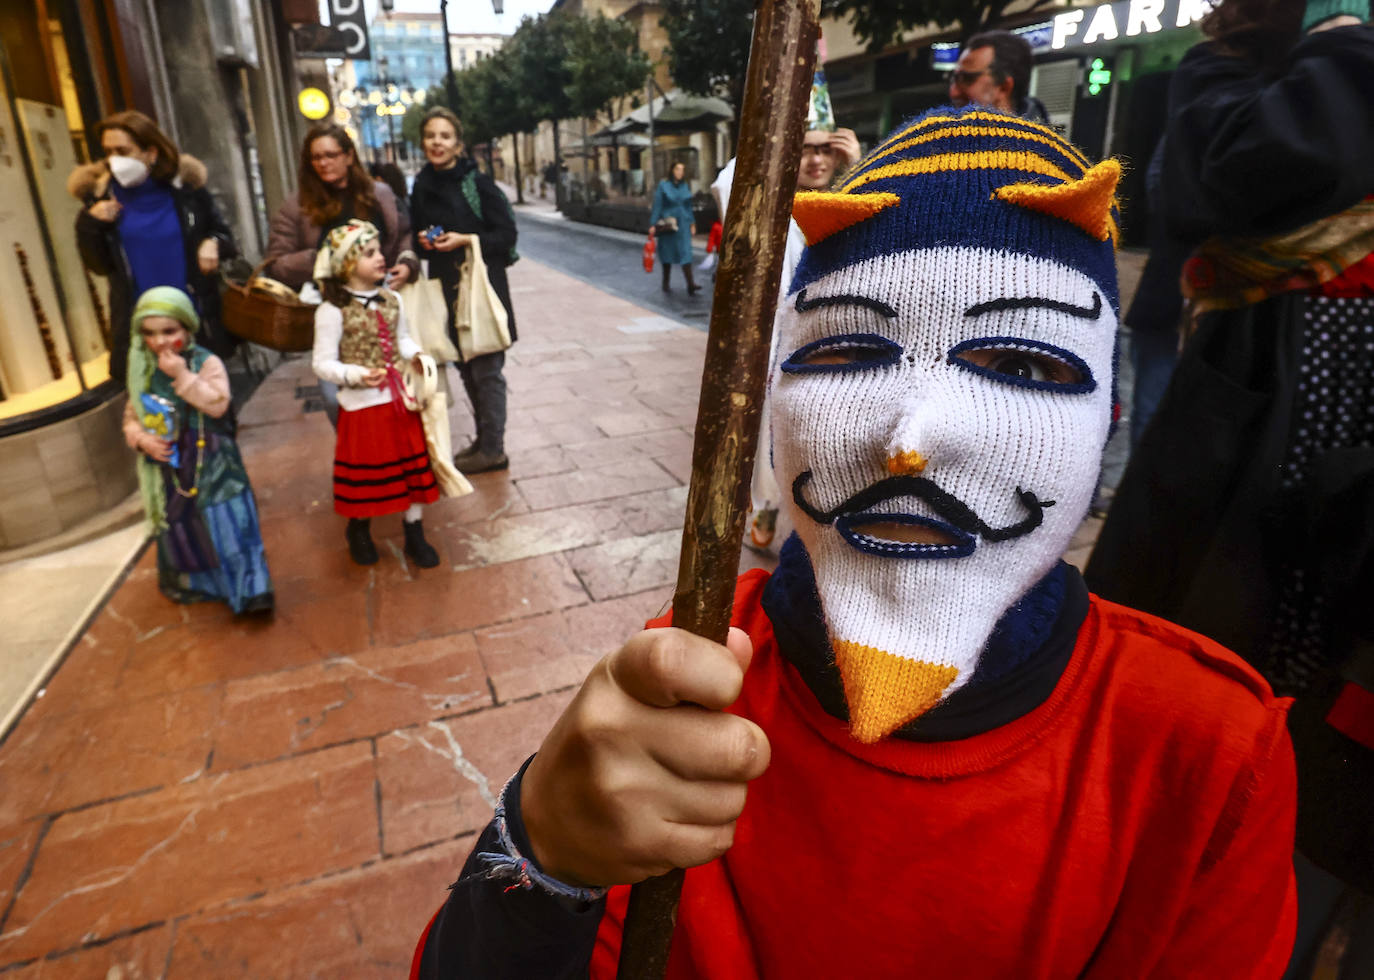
[[212, 547]]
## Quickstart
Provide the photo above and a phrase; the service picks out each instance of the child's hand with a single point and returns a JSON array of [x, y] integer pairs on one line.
[[375, 377], [158, 450], [171, 363], [645, 771]]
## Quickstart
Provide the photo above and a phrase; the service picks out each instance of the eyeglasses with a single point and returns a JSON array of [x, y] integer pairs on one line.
[[326, 157], [964, 79]]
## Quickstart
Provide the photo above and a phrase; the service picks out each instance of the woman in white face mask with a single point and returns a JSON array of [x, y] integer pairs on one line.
[[149, 221]]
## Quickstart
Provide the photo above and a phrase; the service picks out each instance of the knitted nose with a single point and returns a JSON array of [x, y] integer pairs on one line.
[[907, 462]]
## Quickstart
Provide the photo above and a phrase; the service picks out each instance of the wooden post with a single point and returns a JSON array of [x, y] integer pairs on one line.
[[772, 121]]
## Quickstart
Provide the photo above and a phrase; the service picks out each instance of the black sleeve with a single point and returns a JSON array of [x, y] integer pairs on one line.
[[93, 242], [498, 235], [212, 224], [485, 930], [1256, 155]]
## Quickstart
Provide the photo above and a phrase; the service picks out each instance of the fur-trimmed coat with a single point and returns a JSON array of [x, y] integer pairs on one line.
[[103, 252]]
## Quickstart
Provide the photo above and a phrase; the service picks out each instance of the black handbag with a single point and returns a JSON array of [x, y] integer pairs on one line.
[[665, 226]]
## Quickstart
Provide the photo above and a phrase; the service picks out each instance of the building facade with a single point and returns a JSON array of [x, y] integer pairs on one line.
[[218, 79]]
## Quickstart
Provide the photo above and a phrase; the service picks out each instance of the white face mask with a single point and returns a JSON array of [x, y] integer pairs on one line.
[[129, 171], [964, 410]]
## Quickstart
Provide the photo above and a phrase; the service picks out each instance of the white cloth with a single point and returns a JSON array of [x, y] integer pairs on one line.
[[763, 486], [353, 394]]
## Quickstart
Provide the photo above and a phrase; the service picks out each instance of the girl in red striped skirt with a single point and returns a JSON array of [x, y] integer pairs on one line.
[[381, 463]]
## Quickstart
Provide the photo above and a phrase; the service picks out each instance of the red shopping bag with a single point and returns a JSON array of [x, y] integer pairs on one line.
[[713, 239], [649, 249]]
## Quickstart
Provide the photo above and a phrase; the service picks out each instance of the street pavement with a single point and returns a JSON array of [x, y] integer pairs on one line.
[[200, 796]]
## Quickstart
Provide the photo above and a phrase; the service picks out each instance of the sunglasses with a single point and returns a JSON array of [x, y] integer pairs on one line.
[[966, 78]]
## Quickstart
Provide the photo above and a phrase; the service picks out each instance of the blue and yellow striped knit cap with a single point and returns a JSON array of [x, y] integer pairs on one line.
[[970, 177]]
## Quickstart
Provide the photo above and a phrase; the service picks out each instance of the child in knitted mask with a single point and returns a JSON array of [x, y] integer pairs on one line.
[[924, 749], [943, 396]]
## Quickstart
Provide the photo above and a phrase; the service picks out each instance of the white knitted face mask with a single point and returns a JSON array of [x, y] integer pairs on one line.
[[977, 384]]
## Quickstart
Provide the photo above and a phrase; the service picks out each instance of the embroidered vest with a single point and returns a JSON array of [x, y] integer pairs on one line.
[[359, 344]]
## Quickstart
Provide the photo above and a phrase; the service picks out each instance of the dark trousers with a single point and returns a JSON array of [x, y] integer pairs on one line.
[[486, 388]]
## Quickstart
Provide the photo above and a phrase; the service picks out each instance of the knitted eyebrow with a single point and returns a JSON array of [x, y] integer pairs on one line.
[[844, 299], [1027, 302]]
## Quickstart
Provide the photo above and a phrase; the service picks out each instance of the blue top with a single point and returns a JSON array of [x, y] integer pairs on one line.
[[150, 231], [674, 201]]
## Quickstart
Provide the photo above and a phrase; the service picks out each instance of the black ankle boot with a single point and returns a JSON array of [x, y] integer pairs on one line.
[[360, 546], [692, 287], [418, 550], [666, 269]]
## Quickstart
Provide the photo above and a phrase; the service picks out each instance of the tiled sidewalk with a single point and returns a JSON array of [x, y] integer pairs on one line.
[[196, 796]]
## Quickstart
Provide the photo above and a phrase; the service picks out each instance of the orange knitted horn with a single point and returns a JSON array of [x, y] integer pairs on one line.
[[1086, 202], [820, 214]]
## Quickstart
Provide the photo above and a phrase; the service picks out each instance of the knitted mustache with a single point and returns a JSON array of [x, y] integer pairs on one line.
[[950, 508]]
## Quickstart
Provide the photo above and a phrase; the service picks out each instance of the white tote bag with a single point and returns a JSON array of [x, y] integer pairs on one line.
[[427, 317], [421, 392], [478, 316]]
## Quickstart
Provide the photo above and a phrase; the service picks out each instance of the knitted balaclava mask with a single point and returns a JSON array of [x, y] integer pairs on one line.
[[342, 247], [944, 393]]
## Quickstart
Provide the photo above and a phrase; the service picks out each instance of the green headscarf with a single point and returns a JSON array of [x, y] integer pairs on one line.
[[158, 301]]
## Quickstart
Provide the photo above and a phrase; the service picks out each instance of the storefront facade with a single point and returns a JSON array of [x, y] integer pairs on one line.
[[65, 65]]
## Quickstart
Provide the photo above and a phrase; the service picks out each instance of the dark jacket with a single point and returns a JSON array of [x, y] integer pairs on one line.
[[103, 253], [295, 238], [1210, 527], [438, 198]]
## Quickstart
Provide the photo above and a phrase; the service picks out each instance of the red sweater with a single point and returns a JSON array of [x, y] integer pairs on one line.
[[1139, 823]]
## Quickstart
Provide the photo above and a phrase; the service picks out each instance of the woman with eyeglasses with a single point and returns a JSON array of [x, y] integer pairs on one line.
[[148, 221], [333, 189]]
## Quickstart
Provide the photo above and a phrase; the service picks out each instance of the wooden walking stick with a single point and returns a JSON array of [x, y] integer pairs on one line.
[[777, 91]]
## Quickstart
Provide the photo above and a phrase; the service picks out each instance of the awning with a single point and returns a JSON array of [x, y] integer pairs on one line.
[[676, 112], [606, 137]]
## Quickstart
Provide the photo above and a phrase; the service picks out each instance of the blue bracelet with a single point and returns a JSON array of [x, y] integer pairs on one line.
[[511, 865]]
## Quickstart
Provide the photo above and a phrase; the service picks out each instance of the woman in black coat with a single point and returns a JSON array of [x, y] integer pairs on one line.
[[451, 193], [1247, 511], [149, 220]]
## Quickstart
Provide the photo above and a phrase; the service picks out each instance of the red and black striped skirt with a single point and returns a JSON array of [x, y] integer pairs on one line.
[[381, 465]]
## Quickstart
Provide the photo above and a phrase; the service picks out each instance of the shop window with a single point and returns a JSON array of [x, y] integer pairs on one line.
[[54, 315]]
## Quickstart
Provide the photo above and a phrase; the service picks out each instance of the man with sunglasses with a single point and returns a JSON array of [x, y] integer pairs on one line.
[[994, 70]]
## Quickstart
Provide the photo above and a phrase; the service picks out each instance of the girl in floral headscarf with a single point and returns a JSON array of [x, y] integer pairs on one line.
[[195, 490], [381, 463]]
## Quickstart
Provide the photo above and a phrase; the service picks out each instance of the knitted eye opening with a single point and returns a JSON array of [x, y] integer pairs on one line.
[[1024, 364], [843, 353]]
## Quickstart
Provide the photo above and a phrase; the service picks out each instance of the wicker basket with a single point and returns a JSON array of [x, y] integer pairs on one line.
[[265, 312]]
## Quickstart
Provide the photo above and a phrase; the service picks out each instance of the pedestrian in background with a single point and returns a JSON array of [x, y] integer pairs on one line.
[[196, 494], [467, 209], [994, 70], [1247, 510], [149, 221], [390, 174], [381, 462], [673, 204], [332, 190]]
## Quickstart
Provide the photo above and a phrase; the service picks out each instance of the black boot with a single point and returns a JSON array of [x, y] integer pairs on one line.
[[418, 550], [692, 287], [360, 546], [666, 269]]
